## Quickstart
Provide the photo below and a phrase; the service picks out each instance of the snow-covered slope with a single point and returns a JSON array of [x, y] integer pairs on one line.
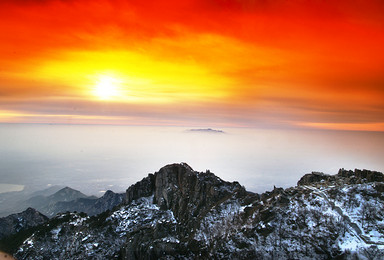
[[178, 213]]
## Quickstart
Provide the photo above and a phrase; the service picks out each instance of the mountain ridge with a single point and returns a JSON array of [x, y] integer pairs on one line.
[[179, 213], [48, 204], [23, 220], [90, 205], [16, 201]]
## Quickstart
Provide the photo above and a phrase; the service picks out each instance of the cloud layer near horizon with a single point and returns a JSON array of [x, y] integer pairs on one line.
[[223, 63]]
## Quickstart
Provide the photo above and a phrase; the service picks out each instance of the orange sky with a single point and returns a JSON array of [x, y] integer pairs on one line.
[[214, 63]]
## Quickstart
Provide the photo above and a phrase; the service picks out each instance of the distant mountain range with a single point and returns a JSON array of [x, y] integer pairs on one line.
[[178, 213], [17, 201], [48, 205], [57, 199], [64, 200], [207, 130]]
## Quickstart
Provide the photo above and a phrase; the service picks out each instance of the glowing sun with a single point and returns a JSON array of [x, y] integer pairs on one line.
[[107, 88]]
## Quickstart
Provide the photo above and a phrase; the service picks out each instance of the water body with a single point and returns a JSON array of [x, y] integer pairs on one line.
[[4, 187], [96, 158]]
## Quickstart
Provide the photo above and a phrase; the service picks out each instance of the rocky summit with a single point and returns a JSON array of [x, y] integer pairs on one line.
[[21, 221], [178, 213], [188, 194]]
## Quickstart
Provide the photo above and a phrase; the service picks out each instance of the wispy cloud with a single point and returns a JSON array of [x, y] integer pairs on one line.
[[246, 63]]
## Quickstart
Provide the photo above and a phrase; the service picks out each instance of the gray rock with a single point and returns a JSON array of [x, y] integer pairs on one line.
[[187, 193], [341, 178], [20, 221], [178, 213], [143, 188]]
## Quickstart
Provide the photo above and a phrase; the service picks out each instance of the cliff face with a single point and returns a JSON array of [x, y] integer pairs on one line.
[[188, 194], [177, 213], [143, 188]]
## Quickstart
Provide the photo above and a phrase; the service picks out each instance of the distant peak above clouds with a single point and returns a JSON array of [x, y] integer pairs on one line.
[[207, 130]]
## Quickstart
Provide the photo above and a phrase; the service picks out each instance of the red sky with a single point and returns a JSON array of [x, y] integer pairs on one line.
[[214, 63]]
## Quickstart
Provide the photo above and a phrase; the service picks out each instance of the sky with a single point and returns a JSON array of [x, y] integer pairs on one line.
[[217, 63]]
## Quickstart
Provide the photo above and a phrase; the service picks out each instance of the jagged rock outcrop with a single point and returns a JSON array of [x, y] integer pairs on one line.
[[187, 193], [143, 188], [190, 196], [314, 177], [343, 177], [177, 213], [20, 221], [360, 176]]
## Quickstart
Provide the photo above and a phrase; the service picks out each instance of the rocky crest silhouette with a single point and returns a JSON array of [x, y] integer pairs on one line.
[[343, 177], [178, 213]]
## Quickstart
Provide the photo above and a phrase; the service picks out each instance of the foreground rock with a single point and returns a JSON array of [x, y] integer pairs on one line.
[[188, 194], [177, 213]]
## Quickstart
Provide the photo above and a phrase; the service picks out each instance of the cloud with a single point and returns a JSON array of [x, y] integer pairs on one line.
[[232, 62]]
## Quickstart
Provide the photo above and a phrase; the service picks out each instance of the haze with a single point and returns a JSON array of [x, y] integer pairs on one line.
[[276, 76], [95, 158]]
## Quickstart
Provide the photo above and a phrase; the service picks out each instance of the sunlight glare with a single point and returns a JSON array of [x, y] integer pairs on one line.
[[107, 88]]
